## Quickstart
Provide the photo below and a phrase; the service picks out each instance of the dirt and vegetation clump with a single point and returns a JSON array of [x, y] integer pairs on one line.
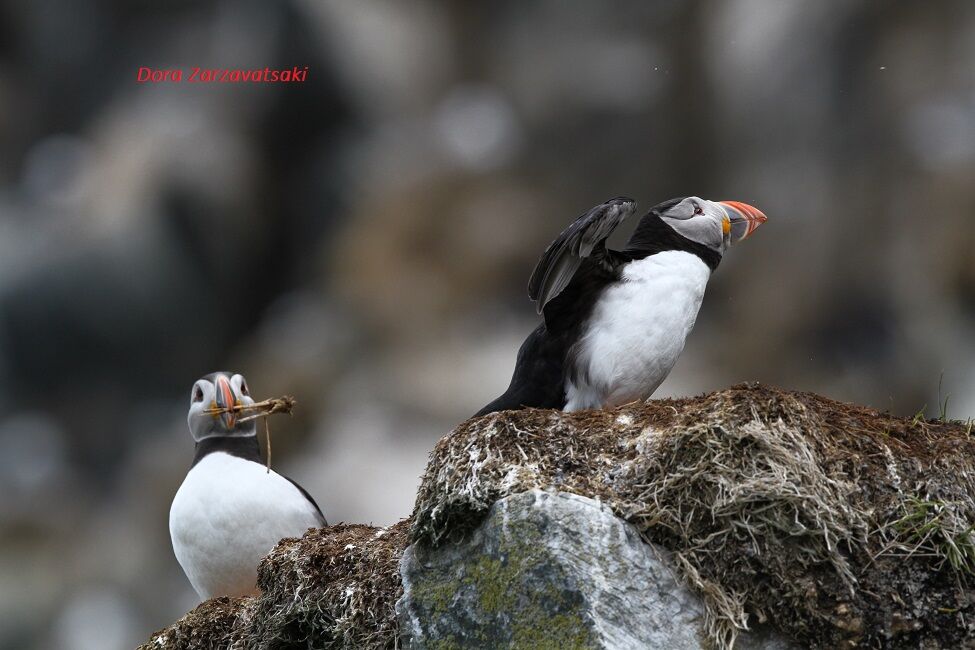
[[838, 525], [842, 526], [335, 587]]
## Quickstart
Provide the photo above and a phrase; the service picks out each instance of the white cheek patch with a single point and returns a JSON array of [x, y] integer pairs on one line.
[[702, 229]]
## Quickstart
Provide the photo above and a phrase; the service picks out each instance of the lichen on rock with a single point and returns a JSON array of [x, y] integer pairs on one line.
[[499, 587]]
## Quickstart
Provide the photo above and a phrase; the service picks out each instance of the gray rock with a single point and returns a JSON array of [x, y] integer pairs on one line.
[[550, 570]]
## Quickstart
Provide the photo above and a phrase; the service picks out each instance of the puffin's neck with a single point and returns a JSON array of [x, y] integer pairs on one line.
[[245, 447], [652, 236]]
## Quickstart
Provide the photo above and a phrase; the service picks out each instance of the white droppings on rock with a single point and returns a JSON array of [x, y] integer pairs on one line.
[[643, 442], [895, 477]]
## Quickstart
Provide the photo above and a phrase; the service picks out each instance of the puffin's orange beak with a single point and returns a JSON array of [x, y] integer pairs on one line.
[[743, 219], [225, 400]]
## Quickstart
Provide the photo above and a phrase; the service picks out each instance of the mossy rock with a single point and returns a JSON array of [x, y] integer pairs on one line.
[[548, 570]]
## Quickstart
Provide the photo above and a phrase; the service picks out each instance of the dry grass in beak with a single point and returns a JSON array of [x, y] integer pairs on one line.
[[267, 407]]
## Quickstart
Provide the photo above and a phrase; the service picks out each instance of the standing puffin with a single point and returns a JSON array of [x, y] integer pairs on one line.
[[614, 322], [230, 510]]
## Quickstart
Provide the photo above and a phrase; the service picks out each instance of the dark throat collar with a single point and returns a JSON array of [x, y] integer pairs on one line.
[[653, 236], [245, 447]]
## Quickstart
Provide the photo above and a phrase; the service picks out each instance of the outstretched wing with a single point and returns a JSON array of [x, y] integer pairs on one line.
[[584, 238]]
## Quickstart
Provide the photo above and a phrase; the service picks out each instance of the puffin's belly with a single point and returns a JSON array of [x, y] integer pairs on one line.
[[637, 330], [227, 515]]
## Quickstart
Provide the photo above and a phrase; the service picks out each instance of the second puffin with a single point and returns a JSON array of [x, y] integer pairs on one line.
[[231, 509], [615, 321]]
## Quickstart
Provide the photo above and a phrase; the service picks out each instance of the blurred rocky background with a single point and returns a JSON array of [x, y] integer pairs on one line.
[[363, 240]]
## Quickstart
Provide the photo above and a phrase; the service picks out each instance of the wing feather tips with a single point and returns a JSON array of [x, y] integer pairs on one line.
[[563, 256]]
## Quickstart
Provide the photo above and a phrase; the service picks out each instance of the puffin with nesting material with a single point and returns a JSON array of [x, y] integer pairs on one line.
[[231, 509], [614, 322]]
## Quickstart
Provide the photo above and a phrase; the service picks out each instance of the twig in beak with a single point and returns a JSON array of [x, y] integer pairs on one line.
[[267, 437], [267, 407]]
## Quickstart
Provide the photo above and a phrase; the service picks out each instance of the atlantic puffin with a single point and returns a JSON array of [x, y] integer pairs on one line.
[[231, 509], [614, 322]]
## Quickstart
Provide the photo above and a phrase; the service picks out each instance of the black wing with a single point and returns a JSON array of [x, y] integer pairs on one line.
[[307, 496], [585, 238]]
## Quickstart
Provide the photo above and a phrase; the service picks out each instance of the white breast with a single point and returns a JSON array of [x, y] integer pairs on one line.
[[637, 330], [227, 515]]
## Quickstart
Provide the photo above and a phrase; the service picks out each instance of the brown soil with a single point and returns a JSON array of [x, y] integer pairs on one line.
[[335, 587]]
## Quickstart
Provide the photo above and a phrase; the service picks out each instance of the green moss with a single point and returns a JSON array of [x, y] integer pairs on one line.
[[436, 595], [550, 620], [495, 586], [553, 632], [540, 619], [446, 644], [492, 578], [934, 527]]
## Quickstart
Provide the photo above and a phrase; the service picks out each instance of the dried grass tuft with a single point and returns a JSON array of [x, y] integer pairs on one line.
[[214, 624], [336, 587]]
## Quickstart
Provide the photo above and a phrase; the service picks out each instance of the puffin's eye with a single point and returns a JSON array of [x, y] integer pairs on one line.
[[243, 388], [698, 209], [197, 394]]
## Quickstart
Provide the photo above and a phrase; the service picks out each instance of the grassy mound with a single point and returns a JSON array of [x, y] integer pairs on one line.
[[211, 625], [334, 587], [842, 526]]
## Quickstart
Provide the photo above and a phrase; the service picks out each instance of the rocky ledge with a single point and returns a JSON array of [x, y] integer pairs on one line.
[[750, 517]]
